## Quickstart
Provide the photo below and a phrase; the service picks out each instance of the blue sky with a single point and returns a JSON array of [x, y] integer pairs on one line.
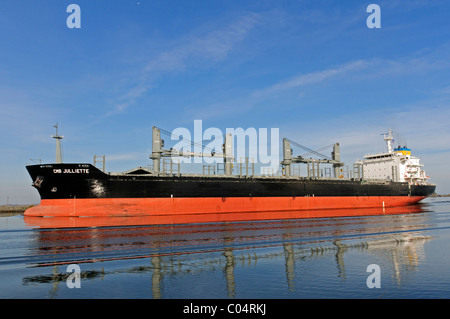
[[313, 69]]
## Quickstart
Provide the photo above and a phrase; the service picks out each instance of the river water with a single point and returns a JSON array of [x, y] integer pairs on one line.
[[386, 256]]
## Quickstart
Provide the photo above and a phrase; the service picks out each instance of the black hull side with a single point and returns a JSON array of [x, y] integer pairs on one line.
[[66, 181]]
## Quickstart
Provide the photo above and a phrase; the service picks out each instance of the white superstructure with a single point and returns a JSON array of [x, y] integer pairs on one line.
[[397, 164]]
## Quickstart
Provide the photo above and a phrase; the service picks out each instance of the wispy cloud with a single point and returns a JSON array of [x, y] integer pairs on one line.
[[409, 65], [129, 98], [213, 46], [313, 77], [250, 101], [422, 62], [413, 69]]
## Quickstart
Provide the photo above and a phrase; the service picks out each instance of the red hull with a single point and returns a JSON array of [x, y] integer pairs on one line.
[[109, 221], [172, 209]]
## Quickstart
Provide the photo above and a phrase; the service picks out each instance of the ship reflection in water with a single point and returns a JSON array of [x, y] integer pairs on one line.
[[224, 257]]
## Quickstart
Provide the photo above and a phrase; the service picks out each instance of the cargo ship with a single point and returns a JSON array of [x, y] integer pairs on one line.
[[388, 179]]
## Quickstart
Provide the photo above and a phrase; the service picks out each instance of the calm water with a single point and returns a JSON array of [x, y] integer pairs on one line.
[[284, 259]]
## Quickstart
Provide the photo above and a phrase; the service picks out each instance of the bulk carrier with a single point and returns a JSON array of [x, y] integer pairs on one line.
[[392, 178]]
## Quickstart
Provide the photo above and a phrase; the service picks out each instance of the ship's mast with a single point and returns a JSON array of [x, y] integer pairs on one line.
[[389, 138], [58, 139], [158, 152], [288, 160], [157, 145]]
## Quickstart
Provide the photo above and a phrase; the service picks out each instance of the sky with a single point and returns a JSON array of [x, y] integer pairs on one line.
[[313, 69]]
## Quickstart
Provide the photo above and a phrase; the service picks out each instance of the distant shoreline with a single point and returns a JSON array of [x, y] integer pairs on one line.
[[14, 208]]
